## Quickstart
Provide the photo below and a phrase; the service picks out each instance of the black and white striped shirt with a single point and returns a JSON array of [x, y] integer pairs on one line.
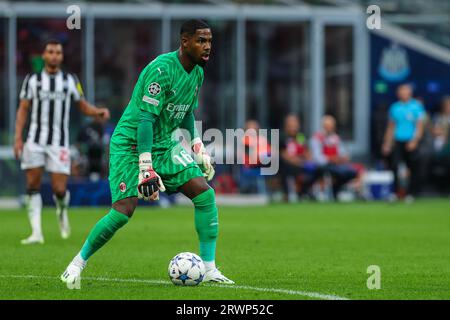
[[51, 96]]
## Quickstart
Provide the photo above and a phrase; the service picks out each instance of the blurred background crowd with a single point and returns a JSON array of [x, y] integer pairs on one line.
[[363, 114], [415, 151]]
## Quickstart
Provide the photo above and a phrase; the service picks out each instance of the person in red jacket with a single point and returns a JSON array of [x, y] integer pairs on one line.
[[257, 148], [256, 153], [329, 154], [295, 159]]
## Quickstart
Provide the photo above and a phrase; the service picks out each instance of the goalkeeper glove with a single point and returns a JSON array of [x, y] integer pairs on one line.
[[202, 158], [150, 182]]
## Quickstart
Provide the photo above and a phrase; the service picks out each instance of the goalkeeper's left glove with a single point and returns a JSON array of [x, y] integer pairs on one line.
[[202, 158], [149, 182]]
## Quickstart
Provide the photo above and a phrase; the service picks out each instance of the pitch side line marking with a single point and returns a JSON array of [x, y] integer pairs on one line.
[[273, 290]]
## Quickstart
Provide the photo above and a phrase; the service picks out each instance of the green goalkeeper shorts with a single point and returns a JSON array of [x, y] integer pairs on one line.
[[175, 167]]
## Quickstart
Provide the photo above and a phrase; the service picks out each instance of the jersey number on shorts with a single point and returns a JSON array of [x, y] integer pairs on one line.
[[64, 156], [185, 158]]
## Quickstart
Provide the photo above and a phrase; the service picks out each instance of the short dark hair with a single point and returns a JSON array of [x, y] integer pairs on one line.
[[51, 41], [189, 27]]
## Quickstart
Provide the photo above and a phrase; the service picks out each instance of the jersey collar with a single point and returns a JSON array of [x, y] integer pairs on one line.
[[52, 74]]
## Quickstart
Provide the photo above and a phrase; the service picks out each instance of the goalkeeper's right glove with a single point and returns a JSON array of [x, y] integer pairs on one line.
[[150, 182], [203, 159]]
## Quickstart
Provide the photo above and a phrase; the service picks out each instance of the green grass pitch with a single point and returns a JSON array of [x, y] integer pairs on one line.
[[281, 251]]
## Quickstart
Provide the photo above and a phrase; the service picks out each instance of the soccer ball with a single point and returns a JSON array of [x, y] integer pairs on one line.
[[186, 269]]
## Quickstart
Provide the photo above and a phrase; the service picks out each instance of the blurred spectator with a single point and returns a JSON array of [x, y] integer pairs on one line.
[[91, 142], [78, 163], [440, 167], [296, 160], [401, 140], [328, 153], [256, 153], [441, 126]]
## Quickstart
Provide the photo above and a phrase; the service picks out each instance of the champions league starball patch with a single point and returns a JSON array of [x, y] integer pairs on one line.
[[154, 88]]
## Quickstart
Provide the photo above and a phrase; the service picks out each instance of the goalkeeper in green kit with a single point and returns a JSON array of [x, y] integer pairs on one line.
[[144, 157]]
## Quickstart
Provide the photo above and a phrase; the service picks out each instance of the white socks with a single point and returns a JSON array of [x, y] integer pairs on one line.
[[209, 265], [63, 203], [34, 207]]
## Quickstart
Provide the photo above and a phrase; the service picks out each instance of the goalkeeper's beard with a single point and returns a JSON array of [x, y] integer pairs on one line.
[[198, 61]]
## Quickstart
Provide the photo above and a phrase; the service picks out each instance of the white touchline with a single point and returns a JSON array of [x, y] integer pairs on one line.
[[274, 290], [285, 291]]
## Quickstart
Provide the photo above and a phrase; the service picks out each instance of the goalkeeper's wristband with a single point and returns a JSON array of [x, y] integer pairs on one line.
[[197, 146], [145, 161], [195, 141]]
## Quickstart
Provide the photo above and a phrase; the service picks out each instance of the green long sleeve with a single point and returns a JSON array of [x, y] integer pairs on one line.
[[188, 123], [145, 131]]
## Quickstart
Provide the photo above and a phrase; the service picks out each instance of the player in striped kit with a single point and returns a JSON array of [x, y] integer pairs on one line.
[[48, 95]]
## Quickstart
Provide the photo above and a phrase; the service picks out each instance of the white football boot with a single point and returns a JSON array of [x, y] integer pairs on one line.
[[214, 275], [63, 217], [33, 239], [72, 274]]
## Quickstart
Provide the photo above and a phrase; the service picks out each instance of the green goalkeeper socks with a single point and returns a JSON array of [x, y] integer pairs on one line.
[[206, 224], [103, 232], [208, 251]]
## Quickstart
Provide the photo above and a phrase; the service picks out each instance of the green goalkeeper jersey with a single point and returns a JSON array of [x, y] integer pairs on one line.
[[165, 89]]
